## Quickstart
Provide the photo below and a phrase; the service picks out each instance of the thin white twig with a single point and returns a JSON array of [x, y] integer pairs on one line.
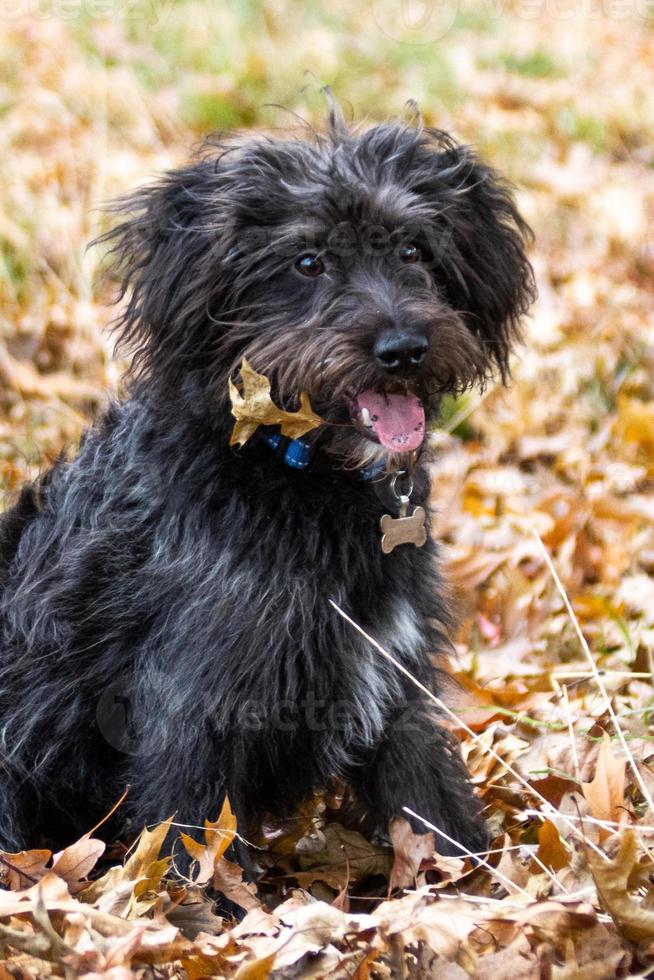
[[630, 674], [216, 830], [531, 853], [550, 873], [596, 674], [476, 738], [489, 867], [607, 824], [573, 741], [467, 410], [502, 850], [506, 903], [474, 899]]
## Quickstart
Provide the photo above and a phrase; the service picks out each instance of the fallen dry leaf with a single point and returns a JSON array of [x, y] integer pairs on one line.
[[605, 793], [409, 851], [635, 424], [75, 862], [632, 919], [551, 852], [594, 954], [255, 407], [346, 854], [131, 889], [218, 837], [228, 879], [24, 868]]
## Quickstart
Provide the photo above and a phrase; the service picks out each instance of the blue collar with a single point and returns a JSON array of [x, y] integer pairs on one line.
[[297, 454]]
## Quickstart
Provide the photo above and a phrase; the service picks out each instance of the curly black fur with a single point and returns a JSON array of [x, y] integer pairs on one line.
[[165, 619]]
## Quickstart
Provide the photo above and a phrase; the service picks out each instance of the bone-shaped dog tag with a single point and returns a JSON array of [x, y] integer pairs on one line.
[[403, 530]]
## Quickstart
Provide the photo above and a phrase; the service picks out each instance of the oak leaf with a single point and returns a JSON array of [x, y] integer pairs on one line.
[[255, 407], [130, 890], [411, 850], [147, 868], [146, 854], [218, 835], [228, 879], [605, 793], [611, 878], [347, 853]]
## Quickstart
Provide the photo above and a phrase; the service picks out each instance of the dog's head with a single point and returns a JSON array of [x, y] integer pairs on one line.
[[376, 270]]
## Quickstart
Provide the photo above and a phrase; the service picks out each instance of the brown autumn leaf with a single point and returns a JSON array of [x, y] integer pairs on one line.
[[256, 969], [475, 706], [50, 889], [23, 868], [635, 424], [471, 567], [218, 836], [130, 890], [554, 916], [74, 863], [510, 962], [553, 788], [316, 928], [346, 853], [228, 879], [255, 407], [147, 850], [282, 836], [605, 793], [611, 877], [551, 851], [200, 967], [409, 850], [194, 913], [417, 917], [596, 953]]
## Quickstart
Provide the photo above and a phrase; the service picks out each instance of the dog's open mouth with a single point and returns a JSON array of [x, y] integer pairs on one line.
[[397, 421]]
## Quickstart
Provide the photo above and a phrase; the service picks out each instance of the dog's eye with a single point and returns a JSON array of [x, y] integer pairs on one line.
[[410, 253], [310, 265]]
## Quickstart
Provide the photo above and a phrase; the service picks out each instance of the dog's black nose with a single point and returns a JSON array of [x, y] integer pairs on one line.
[[398, 351]]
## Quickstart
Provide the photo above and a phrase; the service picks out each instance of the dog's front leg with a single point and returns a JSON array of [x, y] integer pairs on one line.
[[417, 765], [184, 781]]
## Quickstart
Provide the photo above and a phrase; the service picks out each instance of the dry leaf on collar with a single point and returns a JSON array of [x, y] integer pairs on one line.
[[255, 407]]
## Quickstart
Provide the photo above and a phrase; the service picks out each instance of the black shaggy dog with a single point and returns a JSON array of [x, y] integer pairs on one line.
[[183, 585]]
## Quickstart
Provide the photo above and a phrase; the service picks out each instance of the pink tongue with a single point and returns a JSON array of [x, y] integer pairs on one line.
[[397, 420]]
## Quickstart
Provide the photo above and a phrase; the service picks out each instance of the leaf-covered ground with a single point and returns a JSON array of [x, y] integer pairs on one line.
[[544, 494]]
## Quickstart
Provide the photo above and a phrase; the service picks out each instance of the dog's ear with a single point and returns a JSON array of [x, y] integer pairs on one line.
[[167, 252], [481, 239]]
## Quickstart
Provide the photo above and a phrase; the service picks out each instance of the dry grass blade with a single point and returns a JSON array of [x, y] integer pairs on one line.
[[488, 749], [598, 679]]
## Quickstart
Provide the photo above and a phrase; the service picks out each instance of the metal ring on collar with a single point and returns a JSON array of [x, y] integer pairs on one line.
[[404, 491]]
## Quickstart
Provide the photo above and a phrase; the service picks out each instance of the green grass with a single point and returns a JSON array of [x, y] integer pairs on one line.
[[206, 112], [538, 64], [433, 69], [453, 407], [580, 128], [227, 62], [14, 272], [478, 19]]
